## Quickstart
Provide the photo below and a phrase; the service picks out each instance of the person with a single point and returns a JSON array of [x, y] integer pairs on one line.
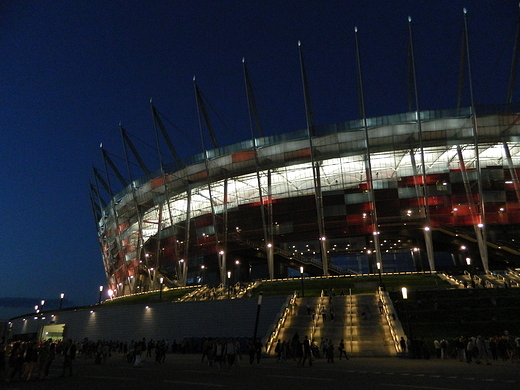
[[44, 351], [438, 348], [341, 350], [230, 353], [2, 358], [258, 350], [219, 353], [69, 354], [380, 306], [30, 360], [306, 352], [15, 361], [330, 351], [402, 344], [278, 350], [52, 356], [251, 351], [332, 314]]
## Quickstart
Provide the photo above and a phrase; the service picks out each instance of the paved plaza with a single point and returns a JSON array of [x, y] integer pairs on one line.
[[187, 372]]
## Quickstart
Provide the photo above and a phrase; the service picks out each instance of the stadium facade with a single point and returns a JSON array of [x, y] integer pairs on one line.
[[407, 192]]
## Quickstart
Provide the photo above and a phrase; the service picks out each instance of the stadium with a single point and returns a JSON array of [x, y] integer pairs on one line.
[[409, 194], [421, 191]]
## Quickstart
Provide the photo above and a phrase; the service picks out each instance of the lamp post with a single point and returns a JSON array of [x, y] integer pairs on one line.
[[161, 280], [301, 274], [257, 315], [229, 284], [42, 305], [378, 264], [62, 295], [100, 291], [404, 291], [203, 279], [237, 272]]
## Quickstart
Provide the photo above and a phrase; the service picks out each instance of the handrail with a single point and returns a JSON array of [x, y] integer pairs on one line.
[[390, 318]]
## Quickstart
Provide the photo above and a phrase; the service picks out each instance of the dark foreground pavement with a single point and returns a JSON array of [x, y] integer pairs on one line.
[[187, 372]]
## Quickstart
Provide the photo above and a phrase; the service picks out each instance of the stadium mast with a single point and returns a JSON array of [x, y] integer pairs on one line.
[[254, 121], [315, 168], [368, 164], [221, 250], [426, 229]]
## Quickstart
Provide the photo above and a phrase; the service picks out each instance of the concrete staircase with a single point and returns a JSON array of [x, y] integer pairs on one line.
[[357, 321]]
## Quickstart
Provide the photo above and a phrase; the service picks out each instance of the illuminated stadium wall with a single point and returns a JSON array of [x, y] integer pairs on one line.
[[395, 190]]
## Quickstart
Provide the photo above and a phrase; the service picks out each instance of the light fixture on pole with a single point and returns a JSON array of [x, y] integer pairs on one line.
[[301, 274], [237, 272], [404, 291], [378, 264], [100, 291], [161, 281], [62, 295], [42, 305], [203, 277]]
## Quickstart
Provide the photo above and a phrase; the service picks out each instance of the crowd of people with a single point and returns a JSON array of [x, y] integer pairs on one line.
[[479, 349], [29, 360]]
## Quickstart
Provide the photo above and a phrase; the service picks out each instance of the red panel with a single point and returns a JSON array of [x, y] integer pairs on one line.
[[243, 156], [197, 176], [157, 182]]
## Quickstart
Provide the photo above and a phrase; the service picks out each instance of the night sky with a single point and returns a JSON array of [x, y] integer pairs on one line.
[[72, 70]]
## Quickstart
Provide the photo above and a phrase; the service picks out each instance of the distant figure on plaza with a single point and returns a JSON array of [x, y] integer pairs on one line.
[[402, 344], [330, 352], [306, 352], [341, 349], [380, 306], [258, 350], [69, 354], [230, 353], [332, 314], [324, 314]]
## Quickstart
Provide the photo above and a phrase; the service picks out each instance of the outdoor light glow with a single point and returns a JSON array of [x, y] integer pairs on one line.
[[378, 264], [404, 291], [62, 295], [468, 261], [100, 288], [480, 225], [463, 247]]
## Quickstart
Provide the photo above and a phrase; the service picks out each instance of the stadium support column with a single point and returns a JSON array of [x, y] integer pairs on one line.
[[480, 227], [422, 200], [315, 169], [186, 253], [425, 197], [270, 233], [254, 121], [368, 163]]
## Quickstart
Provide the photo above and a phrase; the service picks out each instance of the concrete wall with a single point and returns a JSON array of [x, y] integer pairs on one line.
[[165, 320]]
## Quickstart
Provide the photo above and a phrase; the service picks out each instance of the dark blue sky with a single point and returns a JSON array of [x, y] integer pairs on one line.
[[72, 70]]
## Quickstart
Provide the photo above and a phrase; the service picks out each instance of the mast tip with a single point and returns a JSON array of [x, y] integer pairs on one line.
[[355, 29], [409, 19]]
